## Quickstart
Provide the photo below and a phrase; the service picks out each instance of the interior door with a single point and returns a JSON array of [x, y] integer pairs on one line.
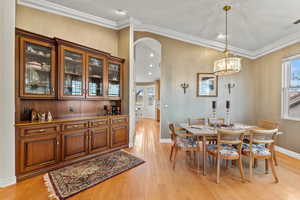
[[145, 102]]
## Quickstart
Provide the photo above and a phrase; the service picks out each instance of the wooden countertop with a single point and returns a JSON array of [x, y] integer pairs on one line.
[[62, 120]]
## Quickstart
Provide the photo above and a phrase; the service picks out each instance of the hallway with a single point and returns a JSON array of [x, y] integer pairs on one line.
[[156, 180]]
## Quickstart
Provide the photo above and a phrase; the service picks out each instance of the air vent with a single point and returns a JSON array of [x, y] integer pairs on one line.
[[297, 22]]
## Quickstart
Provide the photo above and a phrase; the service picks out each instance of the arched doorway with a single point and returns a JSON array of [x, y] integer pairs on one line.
[[147, 73]]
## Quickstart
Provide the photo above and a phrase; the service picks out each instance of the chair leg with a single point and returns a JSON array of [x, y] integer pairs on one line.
[[171, 153], [273, 170], [255, 163], [266, 166], [218, 169], [275, 158], [175, 154], [240, 163], [251, 168], [227, 164]]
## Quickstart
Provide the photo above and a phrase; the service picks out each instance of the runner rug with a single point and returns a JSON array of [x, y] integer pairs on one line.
[[68, 181]]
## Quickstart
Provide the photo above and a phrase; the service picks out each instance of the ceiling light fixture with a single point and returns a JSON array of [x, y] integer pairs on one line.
[[151, 54], [121, 12], [149, 73], [229, 64], [150, 65], [221, 36]]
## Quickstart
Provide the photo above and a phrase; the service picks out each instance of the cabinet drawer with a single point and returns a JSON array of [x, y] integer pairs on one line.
[[74, 125], [39, 130], [119, 120], [98, 122]]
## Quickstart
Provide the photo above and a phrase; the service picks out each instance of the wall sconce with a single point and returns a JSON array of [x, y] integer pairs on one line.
[[229, 86], [184, 86]]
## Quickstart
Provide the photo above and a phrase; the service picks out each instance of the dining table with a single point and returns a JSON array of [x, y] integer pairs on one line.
[[203, 132]]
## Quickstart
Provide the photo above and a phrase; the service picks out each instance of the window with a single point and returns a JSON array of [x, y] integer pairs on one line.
[[291, 88]]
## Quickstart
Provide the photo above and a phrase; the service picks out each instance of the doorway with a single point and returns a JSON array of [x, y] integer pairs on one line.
[[147, 62]]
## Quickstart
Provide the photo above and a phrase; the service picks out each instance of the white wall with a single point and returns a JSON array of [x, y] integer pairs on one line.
[[7, 91]]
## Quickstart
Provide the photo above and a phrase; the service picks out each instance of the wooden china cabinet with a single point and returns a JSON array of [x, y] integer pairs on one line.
[[54, 75]]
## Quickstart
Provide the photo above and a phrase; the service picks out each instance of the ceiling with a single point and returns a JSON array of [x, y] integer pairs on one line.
[[147, 60], [254, 25]]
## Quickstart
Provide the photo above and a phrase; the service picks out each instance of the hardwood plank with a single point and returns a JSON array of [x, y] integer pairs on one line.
[[156, 180]]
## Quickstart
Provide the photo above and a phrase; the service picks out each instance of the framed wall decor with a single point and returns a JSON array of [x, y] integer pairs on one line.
[[207, 85]]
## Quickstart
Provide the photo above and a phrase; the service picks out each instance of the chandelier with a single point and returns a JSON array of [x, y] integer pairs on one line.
[[229, 64]]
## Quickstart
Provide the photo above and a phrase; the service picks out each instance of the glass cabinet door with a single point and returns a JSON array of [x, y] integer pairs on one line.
[[114, 80], [37, 71], [95, 76], [73, 73]]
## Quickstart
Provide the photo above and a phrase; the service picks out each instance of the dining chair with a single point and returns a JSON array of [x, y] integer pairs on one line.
[[196, 121], [269, 125], [228, 147], [261, 146], [214, 122], [181, 141]]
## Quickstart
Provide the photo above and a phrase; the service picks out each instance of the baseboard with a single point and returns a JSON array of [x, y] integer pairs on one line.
[[288, 152], [165, 140], [4, 182]]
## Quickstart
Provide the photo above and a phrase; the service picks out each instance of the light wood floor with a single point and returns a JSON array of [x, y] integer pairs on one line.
[[155, 180]]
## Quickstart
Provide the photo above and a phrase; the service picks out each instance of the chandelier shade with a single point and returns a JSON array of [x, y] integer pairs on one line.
[[228, 64]]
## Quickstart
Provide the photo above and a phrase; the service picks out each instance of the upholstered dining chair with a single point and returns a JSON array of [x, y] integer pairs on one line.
[[269, 125], [228, 147], [181, 141], [261, 146], [214, 122], [196, 121]]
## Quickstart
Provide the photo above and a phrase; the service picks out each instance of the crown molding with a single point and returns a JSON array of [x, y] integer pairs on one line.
[[277, 45], [191, 39], [47, 6], [68, 12]]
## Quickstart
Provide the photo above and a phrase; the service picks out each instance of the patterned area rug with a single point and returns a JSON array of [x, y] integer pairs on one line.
[[68, 181]]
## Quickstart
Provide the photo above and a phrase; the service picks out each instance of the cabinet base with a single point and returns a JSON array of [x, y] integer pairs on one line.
[[27, 175]]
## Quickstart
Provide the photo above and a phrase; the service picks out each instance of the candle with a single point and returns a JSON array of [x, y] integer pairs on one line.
[[227, 104], [214, 105]]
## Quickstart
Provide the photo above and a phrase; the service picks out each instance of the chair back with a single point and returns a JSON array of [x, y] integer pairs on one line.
[[198, 121], [172, 131], [263, 136], [233, 137], [215, 121], [265, 124]]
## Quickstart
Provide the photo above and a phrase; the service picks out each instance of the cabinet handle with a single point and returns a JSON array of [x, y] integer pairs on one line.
[[42, 130], [57, 142]]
